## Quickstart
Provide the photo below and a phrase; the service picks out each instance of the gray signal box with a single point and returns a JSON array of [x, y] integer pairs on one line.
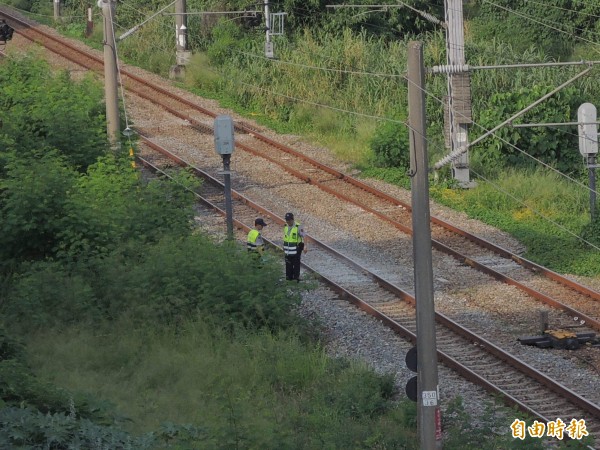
[[224, 141], [588, 129]]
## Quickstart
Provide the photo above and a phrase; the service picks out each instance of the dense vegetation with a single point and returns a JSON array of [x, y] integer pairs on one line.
[[111, 306]]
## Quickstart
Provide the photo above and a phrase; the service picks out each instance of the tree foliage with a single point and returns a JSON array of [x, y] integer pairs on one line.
[[523, 23], [33, 194], [391, 147], [517, 147], [42, 110]]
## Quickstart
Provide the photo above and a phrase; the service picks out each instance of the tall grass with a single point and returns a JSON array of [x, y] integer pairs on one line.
[[249, 390], [543, 210]]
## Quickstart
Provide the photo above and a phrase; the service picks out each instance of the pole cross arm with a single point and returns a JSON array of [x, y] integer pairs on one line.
[[137, 27], [454, 155]]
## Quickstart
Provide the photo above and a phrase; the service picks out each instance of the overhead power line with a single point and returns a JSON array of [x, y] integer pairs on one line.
[[425, 15], [137, 27], [532, 19]]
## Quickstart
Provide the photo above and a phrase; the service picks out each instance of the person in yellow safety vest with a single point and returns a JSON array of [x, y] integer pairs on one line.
[[293, 246], [255, 242]]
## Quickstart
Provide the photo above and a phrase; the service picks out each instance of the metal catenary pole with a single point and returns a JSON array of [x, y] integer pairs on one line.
[[89, 26], [110, 75], [181, 29], [427, 385]]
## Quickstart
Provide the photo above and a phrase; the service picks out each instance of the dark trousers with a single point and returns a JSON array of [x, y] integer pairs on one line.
[[292, 266]]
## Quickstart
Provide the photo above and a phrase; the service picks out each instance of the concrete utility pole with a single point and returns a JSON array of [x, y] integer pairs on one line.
[[181, 38], [56, 9], [269, 53], [110, 74], [428, 418], [588, 147], [89, 26], [459, 92]]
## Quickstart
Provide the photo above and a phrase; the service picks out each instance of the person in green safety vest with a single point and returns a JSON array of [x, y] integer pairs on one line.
[[293, 246], [255, 242]]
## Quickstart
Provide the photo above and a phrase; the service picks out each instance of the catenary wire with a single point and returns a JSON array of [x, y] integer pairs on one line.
[[406, 124], [321, 105], [325, 69], [549, 220], [546, 5], [512, 11]]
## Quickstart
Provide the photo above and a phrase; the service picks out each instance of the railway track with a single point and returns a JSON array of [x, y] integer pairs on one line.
[[483, 363], [546, 286]]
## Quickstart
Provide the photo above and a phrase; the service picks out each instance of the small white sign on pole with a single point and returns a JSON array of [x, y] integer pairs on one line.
[[588, 129]]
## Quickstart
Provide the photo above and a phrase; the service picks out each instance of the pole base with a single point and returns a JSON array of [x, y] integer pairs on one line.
[[461, 175], [177, 72]]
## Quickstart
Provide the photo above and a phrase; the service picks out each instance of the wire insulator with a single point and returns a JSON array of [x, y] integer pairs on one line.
[[449, 158], [450, 69]]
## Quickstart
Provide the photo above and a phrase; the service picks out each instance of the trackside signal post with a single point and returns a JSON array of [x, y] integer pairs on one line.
[[458, 117], [588, 147], [274, 24], [224, 144], [587, 126], [428, 413]]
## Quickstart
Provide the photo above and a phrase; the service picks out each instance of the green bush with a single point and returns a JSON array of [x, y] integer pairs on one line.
[[23, 5], [245, 388], [28, 428], [43, 110], [226, 38], [178, 277], [391, 147], [32, 204], [525, 23], [551, 145], [112, 205], [19, 387], [591, 231], [10, 348], [462, 432], [45, 294]]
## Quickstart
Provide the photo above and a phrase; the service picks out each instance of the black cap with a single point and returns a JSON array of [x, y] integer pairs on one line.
[[259, 221], [289, 216]]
